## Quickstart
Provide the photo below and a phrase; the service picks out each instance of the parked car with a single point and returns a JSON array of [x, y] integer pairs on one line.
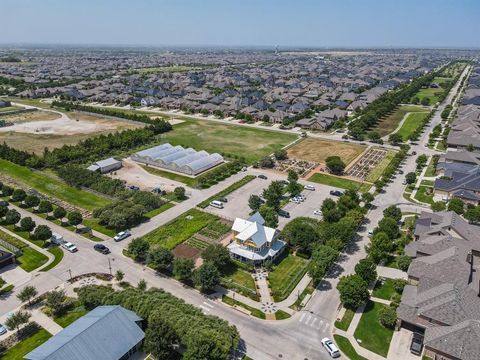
[[317, 212], [285, 182], [301, 197], [414, 153], [263, 177], [122, 235], [283, 213], [416, 345], [223, 199], [101, 248], [70, 247], [3, 329], [336, 193], [309, 187], [133, 187], [330, 347], [370, 233], [57, 239], [217, 204], [295, 200]]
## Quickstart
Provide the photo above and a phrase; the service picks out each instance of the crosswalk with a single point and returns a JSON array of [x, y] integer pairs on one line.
[[207, 306], [314, 322]]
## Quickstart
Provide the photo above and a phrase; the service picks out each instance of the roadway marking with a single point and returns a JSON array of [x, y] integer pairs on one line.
[[308, 320], [303, 315], [205, 309], [313, 322], [319, 326], [208, 304]]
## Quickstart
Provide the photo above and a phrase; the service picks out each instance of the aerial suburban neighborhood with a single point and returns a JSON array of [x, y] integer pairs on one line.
[[231, 191]]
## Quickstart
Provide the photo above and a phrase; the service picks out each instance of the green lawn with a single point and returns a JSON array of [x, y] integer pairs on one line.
[[18, 351], [383, 289], [70, 316], [390, 123], [335, 181], [422, 195], [10, 108], [431, 171], [235, 186], [180, 229], [286, 275], [239, 280], [430, 93], [94, 225], [58, 253], [411, 124], [347, 318], [170, 175], [159, 210], [282, 315], [347, 348], [372, 334], [253, 311], [53, 187], [237, 140]]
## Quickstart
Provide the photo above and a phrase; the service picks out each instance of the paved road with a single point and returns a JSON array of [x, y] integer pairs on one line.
[[297, 338]]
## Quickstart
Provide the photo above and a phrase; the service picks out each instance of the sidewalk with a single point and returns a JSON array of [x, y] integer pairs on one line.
[[45, 321], [391, 273]]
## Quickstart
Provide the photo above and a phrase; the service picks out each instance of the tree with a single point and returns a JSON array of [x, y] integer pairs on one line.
[[367, 198], [456, 205], [119, 275], [31, 201], [7, 190], [393, 212], [59, 212], [403, 262], [425, 101], [17, 319], [18, 195], [387, 316], [183, 269], [138, 248], [179, 193], [421, 161], [254, 202], [27, 294], [159, 258], [380, 247], [217, 254], [206, 277], [388, 226], [12, 217], [45, 207], [3, 210], [374, 136], [411, 178], [335, 164], [142, 285], [74, 218], [439, 206], [281, 154], [55, 300], [42, 232], [273, 194], [322, 257], [267, 162], [269, 215], [301, 233], [366, 269], [353, 291], [27, 224], [160, 338], [395, 138], [473, 214]]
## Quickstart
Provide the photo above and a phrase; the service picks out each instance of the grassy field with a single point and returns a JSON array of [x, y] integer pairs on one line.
[[430, 93], [335, 181], [10, 108], [318, 150], [286, 275], [253, 311], [52, 187], [373, 335], [235, 186], [390, 123], [347, 318], [70, 316], [18, 351], [422, 195], [239, 280], [180, 229], [411, 124], [58, 253], [347, 348], [431, 171], [236, 140], [170, 175], [384, 289], [159, 210]]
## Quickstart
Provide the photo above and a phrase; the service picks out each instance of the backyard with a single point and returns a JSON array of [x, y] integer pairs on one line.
[[231, 140], [317, 150], [286, 275], [371, 333], [390, 123], [21, 349], [52, 186]]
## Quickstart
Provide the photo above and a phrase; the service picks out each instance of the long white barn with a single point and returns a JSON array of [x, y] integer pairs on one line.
[[178, 159]]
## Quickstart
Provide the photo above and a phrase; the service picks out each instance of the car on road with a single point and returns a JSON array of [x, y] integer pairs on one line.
[[414, 153], [3, 329], [70, 247], [223, 199], [370, 233], [283, 213], [309, 187], [317, 212], [122, 235], [101, 248], [261, 176], [336, 193], [330, 347]]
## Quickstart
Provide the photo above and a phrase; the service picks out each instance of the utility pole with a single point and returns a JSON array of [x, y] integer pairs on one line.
[[70, 272], [109, 266]]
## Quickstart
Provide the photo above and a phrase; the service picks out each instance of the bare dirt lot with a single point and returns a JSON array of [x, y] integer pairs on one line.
[[31, 116], [317, 150], [185, 251]]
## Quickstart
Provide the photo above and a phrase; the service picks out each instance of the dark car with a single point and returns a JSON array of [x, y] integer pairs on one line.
[[417, 343], [283, 213], [414, 153], [223, 199], [101, 248], [336, 193], [261, 176]]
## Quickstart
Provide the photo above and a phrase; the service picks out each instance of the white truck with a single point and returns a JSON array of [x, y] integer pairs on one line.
[[57, 239]]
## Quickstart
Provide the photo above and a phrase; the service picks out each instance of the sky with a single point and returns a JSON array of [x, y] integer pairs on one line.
[[232, 23]]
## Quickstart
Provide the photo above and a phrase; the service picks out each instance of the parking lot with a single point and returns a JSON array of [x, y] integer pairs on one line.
[[237, 205]]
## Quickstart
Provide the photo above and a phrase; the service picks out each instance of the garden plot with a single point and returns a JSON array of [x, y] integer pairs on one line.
[[301, 167], [367, 163]]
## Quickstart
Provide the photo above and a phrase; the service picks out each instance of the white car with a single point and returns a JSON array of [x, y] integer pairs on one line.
[[330, 347], [370, 233], [309, 187], [70, 247], [122, 235], [317, 212], [295, 200]]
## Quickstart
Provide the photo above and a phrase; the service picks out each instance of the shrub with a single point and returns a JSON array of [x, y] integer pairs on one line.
[[387, 317]]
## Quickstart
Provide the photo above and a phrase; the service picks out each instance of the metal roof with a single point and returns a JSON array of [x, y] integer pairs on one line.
[[107, 333]]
